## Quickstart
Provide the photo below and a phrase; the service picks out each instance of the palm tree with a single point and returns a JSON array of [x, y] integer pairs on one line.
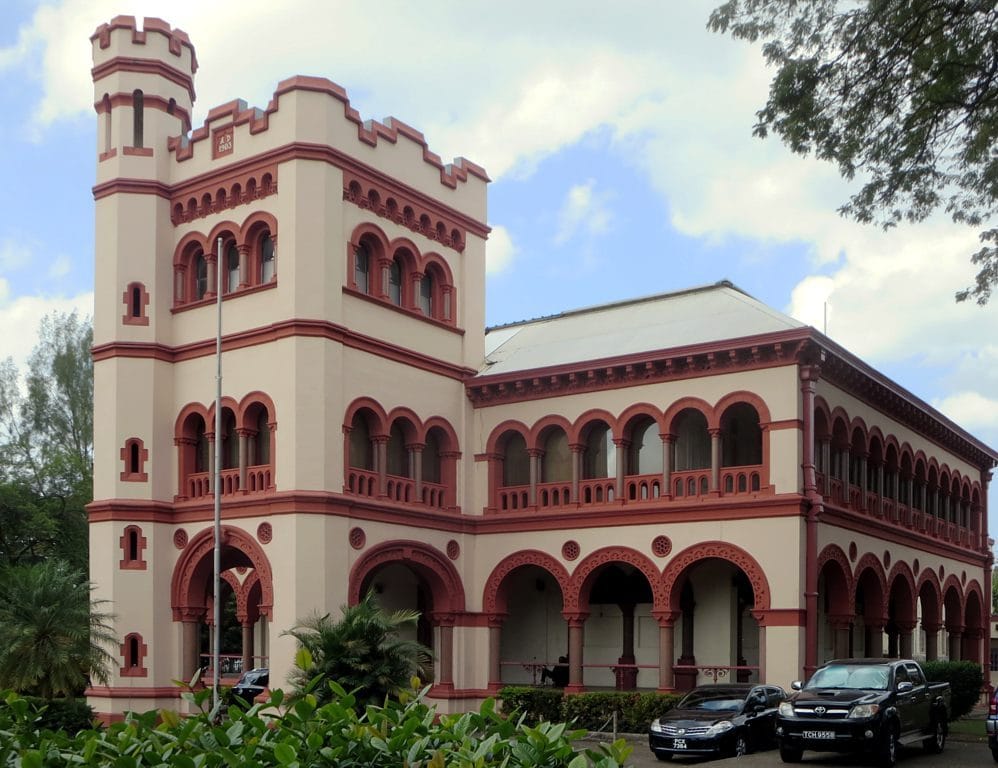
[[362, 652], [53, 637]]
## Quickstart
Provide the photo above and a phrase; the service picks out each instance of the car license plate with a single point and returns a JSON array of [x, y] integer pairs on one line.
[[679, 743], [819, 734]]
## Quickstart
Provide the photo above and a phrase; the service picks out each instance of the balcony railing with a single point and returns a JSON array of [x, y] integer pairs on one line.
[[554, 494], [739, 480], [514, 497], [690, 484], [642, 487], [362, 482], [600, 490]]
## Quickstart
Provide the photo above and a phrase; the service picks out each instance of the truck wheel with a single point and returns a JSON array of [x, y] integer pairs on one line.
[[790, 754], [887, 753], [935, 743]]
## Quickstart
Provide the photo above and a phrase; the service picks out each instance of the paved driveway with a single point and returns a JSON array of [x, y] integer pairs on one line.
[[958, 754]]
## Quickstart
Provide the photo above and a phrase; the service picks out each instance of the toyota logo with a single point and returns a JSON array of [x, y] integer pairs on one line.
[[819, 711], [682, 731]]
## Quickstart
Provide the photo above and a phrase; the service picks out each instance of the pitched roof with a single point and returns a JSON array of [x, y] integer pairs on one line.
[[695, 316]]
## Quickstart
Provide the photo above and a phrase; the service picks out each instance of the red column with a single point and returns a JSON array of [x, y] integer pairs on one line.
[[666, 649], [446, 623], [495, 622], [576, 638], [809, 376]]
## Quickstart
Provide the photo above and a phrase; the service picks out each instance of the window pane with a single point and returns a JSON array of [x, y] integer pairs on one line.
[[426, 295], [395, 283], [362, 269], [200, 276], [232, 268], [266, 259]]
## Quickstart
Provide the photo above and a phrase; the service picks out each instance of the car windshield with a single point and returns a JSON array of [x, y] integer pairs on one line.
[[713, 701], [254, 677], [860, 676]]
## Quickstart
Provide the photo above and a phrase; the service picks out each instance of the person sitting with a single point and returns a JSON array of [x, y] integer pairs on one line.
[[559, 675]]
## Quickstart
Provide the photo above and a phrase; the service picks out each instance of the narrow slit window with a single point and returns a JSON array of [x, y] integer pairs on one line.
[[138, 118]]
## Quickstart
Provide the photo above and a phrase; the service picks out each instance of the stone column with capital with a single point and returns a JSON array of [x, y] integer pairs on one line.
[[535, 455], [244, 265], [243, 435], [381, 462], [576, 637], [577, 450], [931, 640], [666, 465], [841, 626], [621, 468], [495, 622], [715, 461], [445, 621], [666, 649], [955, 637]]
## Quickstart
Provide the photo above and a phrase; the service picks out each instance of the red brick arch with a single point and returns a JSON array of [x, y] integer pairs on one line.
[[195, 568], [431, 564], [682, 562], [902, 571], [870, 562], [494, 598], [733, 398], [577, 595], [833, 553]]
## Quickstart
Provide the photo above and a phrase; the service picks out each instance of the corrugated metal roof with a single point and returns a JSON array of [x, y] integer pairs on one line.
[[700, 315]]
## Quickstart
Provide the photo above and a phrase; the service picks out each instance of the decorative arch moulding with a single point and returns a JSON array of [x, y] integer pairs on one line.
[[390, 202], [237, 187]]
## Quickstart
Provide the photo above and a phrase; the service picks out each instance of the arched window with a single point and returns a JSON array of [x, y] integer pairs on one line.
[[261, 441], [556, 466], [741, 437], [395, 282], [431, 458], [398, 454], [135, 305], [200, 275], [137, 118], [599, 458], [232, 268], [516, 462], [133, 456], [133, 544], [362, 268], [230, 441], [200, 447], [267, 259], [426, 294], [133, 653], [361, 449], [692, 444], [645, 452]]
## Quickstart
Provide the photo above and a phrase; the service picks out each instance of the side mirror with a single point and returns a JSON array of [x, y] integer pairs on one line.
[[904, 686], [796, 685]]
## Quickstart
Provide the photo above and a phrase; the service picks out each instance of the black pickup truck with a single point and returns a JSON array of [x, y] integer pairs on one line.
[[864, 705]]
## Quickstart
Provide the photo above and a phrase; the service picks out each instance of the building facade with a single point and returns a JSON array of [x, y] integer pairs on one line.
[[674, 489]]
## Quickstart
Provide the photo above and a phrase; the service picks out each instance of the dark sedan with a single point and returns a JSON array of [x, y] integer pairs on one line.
[[718, 720]]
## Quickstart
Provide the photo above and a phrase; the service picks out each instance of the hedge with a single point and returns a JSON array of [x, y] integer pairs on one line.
[[592, 711], [965, 679], [68, 715]]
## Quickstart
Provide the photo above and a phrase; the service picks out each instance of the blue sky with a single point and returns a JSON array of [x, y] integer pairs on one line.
[[618, 136]]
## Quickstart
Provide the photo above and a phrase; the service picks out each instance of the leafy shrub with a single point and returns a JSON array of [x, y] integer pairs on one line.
[[303, 733], [67, 715], [965, 679], [535, 705], [592, 711]]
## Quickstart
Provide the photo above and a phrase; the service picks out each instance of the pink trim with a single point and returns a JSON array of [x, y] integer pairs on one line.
[[677, 567], [134, 455], [495, 595], [137, 151], [576, 598], [127, 563], [443, 579], [133, 666], [141, 318]]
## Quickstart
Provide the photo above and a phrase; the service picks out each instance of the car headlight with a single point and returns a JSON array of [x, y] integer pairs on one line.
[[718, 728], [863, 710], [656, 726], [786, 709]]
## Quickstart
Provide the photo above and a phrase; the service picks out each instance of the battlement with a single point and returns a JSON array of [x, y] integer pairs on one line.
[[369, 133], [165, 52]]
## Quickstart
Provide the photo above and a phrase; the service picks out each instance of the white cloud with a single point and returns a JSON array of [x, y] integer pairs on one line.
[[60, 267], [582, 209], [25, 314], [499, 250], [14, 254], [971, 410]]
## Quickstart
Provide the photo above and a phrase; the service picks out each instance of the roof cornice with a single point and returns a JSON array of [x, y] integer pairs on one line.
[[796, 346]]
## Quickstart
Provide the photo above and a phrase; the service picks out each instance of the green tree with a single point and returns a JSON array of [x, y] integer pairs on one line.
[[46, 446], [54, 637], [362, 651], [900, 93]]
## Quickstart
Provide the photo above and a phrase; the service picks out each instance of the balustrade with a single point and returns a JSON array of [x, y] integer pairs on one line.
[[690, 483], [738, 480]]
